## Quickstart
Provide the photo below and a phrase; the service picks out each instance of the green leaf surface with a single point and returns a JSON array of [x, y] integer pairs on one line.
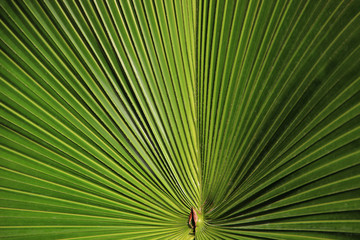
[[117, 117]]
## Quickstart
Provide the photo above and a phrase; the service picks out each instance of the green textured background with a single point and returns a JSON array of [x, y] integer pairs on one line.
[[118, 116]]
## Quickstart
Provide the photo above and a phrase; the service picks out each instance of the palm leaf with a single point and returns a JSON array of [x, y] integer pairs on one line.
[[117, 117]]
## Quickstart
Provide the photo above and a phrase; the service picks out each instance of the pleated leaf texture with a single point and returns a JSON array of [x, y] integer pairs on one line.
[[118, 117]]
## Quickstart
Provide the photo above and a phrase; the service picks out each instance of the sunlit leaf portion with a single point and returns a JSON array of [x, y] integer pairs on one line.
[[117, 117], [98, 119]]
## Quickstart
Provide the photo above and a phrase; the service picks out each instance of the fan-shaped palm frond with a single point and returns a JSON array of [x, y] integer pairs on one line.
[[117, 117]]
